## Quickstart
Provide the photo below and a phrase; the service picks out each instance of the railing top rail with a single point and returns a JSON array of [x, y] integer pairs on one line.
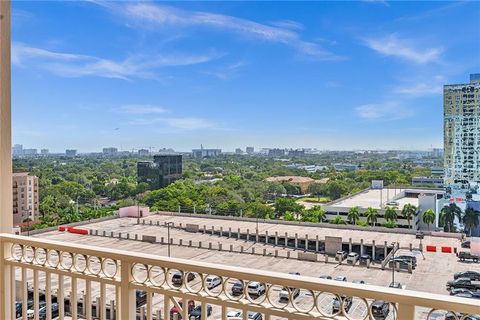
[[435, 301]]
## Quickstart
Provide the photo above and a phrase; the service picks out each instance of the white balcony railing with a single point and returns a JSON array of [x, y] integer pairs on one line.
[[113, 284]]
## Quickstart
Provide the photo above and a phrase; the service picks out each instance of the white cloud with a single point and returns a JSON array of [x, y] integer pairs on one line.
[[387, 111], [430, 86], [226, 72], [141, 109], [401, 48], [155, 15], [78, 65]]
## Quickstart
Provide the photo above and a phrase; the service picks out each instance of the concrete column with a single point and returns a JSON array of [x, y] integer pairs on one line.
[[266, 237], [316, 243], [276, 238], [373, 250], [385, 249], [296, 240], [119, 235], [231, 247], [306, 242], [210, 245], [241, 249], [111, 234], [190, 243], [104, 233], [288, 254], [180, 242], [204, 229], [248, 234], [158, 223], [213, 230], [361, 246], [229, 232], [136, 236], [286, 239], [238, 234], [349, 244], [199, 244]]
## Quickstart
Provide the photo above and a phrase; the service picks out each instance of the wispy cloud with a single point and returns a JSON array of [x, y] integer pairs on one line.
[[180, 123], [393, 46], [387, 111], [141, 109], [79, 65], [285, 32], [226, 72], [434, 86]]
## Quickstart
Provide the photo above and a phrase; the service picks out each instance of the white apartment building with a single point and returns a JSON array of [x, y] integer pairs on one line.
[[25, 197]]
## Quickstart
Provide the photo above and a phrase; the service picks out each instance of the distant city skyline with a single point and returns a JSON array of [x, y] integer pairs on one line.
[[325, 75]]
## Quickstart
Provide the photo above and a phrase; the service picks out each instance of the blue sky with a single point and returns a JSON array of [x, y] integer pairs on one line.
[[328, 75]]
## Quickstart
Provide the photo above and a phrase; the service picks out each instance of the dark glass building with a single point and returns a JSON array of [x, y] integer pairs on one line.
[[159, 173]]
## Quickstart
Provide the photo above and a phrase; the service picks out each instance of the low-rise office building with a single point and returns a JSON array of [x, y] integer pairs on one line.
[[25, 198], [162, 171]]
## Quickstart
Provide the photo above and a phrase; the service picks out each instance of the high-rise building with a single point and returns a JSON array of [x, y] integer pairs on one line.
[[17, 150], [206, 153], [44, 152], [164, 170], [276, 152], [110, 151], [25, 197], [30, 152], [70, 152], [462, 138], [238, 151], [143, 152], [250, 150]]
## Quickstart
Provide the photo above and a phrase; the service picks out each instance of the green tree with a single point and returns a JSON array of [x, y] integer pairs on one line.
[[338, 220], [471, 219], [315, 214], [371, 215], [428, 217], [448, 214], [353, 215], [49, 205], [408, 212], [289, 216], [282, 205], [316, 189], [391, 214]]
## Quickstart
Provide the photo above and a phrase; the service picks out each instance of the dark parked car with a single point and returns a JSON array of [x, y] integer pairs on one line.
[[325, 277], [365, 257], [254, 316], [463, 283], [237, 288], [466, 244], [463, 290], [472, 275], [347, 303], [196, 313], [465, 256], [42, 313], [380, 309], [177, 278], [457, 315], [18, 307]]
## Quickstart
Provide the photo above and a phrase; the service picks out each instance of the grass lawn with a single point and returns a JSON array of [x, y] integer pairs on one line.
[[317, 200]]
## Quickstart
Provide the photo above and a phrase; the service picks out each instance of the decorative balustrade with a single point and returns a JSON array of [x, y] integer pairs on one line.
[[56, 279]]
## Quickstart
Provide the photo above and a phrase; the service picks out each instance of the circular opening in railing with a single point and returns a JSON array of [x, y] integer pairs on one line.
[[66, 260], [110, 268], [53, 258], [156, 275], [256, 292], [194, 281], [354, 308], [213, 285], [303, 300], [28, 254], [328, 304], [380, 309], [40, 256], [234, 288], [80, 262], [94, 265], [140, 273], [17, 251], [175, 278], [278, 296]]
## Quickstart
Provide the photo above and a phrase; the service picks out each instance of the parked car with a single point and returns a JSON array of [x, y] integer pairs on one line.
[[196, 313], [400, 263], [463, 283], [341, 255], [352, 257], [468, 295], [234, 314], [18, 307], [472, 275], [358, 281], [325, 277], [254, 315], [458, 315], [380, 309], [365, 258], [140, 298], [396, 285], [340, 278], [237, 288], [177, 278], [475, 294], [174, 310], [347, 303], [294, 273], [284, 293], [410, 259], [213, 281], [466, 244], [31, 311], [256, 288], [464, 256], [42, 313]]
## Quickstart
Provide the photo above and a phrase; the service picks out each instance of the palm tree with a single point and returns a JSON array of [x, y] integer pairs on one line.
[[391, 214], [471, 219], [371, 215], [408, 212], [428, 217], [353, 215], [449, 213]]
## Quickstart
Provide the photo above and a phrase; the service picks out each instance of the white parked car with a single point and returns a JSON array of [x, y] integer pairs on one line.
[[213, 281], [234, 314], [256, 288], [352, 257], [284, 293]]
